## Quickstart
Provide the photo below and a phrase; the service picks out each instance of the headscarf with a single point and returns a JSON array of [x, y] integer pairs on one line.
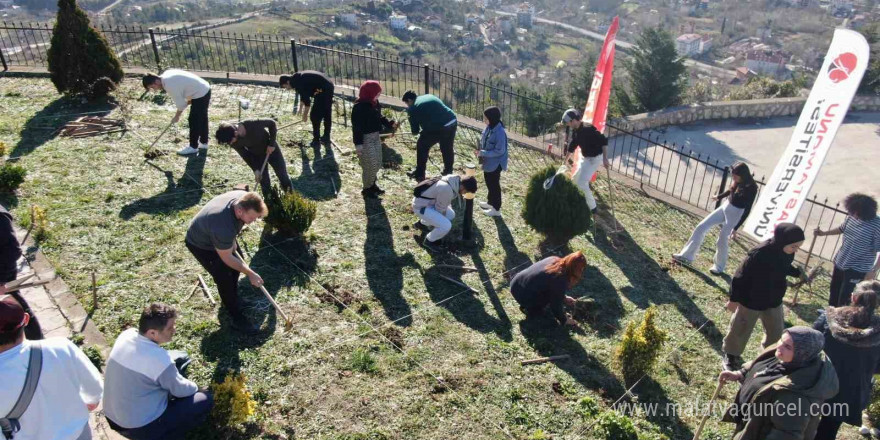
[[784, 235], [808, 344], [369, 92], [493, 114]]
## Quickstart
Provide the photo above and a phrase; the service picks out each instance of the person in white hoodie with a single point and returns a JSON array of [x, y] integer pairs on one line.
[[432, 203], [186, 89], [147, 396], [68, 388]]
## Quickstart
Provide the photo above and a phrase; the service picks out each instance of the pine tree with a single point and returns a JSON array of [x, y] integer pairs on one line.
[[657, 75], [79, 55], [560, 212]]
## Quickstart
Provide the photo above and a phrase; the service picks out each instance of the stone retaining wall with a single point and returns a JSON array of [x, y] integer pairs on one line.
[[756, 108]]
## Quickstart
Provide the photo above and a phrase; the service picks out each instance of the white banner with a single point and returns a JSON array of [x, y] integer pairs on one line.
[[788, 187]]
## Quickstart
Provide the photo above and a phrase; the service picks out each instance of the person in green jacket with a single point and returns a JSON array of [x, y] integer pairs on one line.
[[437, 124], [783, 389]]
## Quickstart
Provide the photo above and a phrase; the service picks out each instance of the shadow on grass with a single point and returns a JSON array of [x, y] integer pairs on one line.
[[504, 331], [177, 196], [666, 418], [43, 126], [319, 179], [605, 320], [383, 266], [514, 260], [649, 284], [548, 338], [282, 262]]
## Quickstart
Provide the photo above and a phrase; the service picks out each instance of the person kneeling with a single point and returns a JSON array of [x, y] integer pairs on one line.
[[146, 395], [545, 283], [432, 203]]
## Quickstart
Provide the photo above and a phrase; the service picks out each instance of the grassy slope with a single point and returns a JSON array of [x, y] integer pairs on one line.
[[125, 219]]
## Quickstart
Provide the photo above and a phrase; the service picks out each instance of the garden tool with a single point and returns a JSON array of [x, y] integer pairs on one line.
[[611, 201], [806, 262], [706, 416], [160, 136], [549, 181], [288, 324], [262, 169]]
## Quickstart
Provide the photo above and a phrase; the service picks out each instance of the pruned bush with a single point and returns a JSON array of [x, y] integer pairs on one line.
[[233, 404], [11, 177], [289, 212], [560, 212], [873, 410], [640, 347], [80, 59], [614, 426]]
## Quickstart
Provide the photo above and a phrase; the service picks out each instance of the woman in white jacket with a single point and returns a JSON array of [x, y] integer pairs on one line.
[[432, 202]]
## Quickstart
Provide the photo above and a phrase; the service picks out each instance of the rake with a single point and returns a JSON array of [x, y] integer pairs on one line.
[[288, 323]]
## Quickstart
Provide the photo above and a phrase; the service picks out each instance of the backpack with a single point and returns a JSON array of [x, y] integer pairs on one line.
[[9, 424], [423, 186]]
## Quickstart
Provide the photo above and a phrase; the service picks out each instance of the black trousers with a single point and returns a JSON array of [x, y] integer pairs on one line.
[[33, 331], [276, 161], [843, 282], [493, 185], [198, 120], [322, 110], [225, 277], [827, 429], [446, 139]]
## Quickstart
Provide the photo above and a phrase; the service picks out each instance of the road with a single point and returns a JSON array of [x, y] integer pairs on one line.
[[109, 7], [623, 45]]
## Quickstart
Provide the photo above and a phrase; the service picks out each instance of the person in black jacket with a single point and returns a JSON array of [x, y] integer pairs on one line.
[[852, 341], [367, 123], [730, 215], [545, 282], [594, 153], [757, 289], [310, 84], [10, 252], [253, 140]]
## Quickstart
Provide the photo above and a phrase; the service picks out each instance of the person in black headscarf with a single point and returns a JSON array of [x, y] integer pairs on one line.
[[783, 389], [757, 289], [493, 156]]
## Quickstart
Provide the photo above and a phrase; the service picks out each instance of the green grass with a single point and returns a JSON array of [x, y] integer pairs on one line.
[[382, 346]]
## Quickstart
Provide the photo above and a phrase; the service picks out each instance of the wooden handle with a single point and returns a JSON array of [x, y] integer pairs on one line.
[[706, 416], [160, 135], [25, 286], [545, 359], [265, 292], [806, 262], [205, 288]]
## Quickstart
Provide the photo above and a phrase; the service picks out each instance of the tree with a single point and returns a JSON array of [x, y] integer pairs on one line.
[[657, 75], [579, 88], [871, 81], [79, 55]]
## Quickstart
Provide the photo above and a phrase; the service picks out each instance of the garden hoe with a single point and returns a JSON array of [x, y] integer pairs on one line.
[[706, 416], [806, 263], [288, 323], [262, 170]]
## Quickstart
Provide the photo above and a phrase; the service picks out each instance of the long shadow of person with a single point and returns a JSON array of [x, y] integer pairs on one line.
[[504, 329], [548, 338], [514, 260], [42, 126], [319, 179], [177, 196], [384, 268], [667, 415], [608, 309], [649, 284], [282, 262]]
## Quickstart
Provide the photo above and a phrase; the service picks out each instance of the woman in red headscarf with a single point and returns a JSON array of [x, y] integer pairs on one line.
[[367, 123]]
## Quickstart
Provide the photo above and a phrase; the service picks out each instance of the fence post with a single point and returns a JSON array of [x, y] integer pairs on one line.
[[293, 53], [427, 79], [3, 59], [723, 186], [155, 50]]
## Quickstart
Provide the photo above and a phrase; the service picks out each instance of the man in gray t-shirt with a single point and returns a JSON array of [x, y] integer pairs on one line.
[[211, 239]]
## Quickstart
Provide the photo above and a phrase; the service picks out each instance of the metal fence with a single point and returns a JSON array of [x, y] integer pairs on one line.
[[640, 155]]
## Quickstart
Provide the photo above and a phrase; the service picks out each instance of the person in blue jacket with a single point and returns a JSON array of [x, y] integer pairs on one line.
[[493, 157]]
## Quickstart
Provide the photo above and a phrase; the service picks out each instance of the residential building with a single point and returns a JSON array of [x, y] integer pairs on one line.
[[397, 22], [505, 23], [348, 19], [433, 20], [688, 44], [525, 15], [766, 62], [705, 44]]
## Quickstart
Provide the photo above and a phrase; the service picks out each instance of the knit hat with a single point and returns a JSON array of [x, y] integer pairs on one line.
[[11, 315], [571, 114], [808, 344], [369, 91], [493, 114]]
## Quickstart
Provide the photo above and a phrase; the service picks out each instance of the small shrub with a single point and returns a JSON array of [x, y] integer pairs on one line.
[[290, 213], [539, 434], [3, 148], [361, 360], [873, 409], [614, 426], [94, 355], [233, 404], [638, 350], [11, 177], [40, 220], [587, 407], [560, 212]]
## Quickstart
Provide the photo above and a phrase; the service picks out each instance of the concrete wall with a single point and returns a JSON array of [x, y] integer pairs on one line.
[[756, 108]]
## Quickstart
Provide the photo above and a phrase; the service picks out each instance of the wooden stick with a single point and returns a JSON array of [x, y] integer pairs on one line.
[[20, 281], [25, 286], [452, 266], [290, 125], [545, 359], [207, 291], [262, 168], [160, 136], [193, 291], [288, 323], [806, 262], [94, 291], [457, 282], [706, 416], [611, 200]]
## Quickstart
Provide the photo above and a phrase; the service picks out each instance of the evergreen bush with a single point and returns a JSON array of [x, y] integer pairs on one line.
[[873, 409], [640, 347], [615, 426], [289, 212], [233, 403], [79, 57], [11, 177], [560, 212]]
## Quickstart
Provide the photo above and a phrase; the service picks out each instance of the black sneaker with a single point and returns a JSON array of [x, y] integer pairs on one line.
[[369, 193], [377, 190], [731, 362], [433, 246], [325, 139], [412, 175], [420, 226], [315, 143]]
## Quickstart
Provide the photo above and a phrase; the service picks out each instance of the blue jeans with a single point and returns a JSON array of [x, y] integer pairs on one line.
[[180, 416]]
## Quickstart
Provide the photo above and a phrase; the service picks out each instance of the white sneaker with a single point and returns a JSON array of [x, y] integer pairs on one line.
[[864, 430], [491, 212], [187, 150], [203, 146], [485, 205]]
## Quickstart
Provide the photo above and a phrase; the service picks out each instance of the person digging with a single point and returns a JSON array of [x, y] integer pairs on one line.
[[186, 90], [255, 141], [211, 240], [313, 85]]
